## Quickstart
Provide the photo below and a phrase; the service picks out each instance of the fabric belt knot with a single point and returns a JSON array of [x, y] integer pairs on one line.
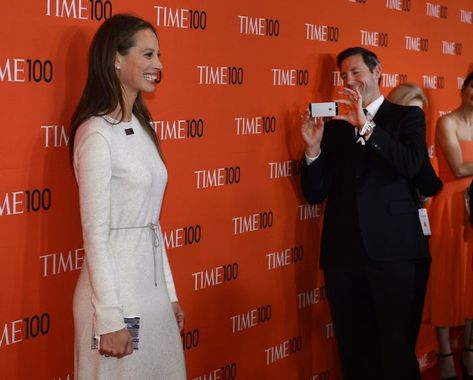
[[155, 229]]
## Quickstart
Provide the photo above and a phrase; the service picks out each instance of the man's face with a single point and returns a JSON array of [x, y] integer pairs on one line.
[[355, 74]]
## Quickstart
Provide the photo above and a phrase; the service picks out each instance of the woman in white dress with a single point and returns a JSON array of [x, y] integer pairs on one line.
[[121, 177]]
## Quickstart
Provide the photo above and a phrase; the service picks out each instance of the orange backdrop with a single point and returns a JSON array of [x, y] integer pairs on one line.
[[242, 242]]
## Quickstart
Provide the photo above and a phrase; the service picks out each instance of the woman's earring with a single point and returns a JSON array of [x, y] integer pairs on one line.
[[117, 67]]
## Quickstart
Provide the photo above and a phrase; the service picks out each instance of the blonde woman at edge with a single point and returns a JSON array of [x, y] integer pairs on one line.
[[408, 94]]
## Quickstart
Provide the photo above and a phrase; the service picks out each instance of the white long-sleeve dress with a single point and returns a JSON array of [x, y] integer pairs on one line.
[[126, 271]]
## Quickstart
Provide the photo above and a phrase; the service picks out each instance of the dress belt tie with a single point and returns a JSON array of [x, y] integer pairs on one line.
[[153, 228]]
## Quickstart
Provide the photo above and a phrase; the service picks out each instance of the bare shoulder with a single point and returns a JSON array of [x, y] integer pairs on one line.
[[447, 127], [448, 122]]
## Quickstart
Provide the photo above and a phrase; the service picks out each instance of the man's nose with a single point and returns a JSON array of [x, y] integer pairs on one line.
[[349, 80]]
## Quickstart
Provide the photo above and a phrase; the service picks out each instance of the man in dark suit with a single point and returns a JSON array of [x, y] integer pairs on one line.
[[374, 254]]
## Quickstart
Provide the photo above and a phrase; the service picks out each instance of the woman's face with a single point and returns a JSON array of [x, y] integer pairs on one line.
[[138, 69], [467, 94]]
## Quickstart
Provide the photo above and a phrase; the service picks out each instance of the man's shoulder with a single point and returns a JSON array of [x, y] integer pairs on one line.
[[392, 111], [388, 106]]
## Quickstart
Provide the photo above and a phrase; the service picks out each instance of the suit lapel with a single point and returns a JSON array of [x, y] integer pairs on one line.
[[382, 116], [363, 152]]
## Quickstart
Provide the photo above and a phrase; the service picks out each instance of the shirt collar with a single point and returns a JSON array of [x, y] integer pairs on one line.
[[373, 107]]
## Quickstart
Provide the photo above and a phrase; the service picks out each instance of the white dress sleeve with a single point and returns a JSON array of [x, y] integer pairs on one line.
[[93, 170]]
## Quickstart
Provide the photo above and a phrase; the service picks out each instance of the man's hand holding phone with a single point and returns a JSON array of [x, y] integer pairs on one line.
[[312, 132]]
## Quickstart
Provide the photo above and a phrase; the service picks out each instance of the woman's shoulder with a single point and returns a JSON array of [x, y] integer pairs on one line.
[[96, 132], [450, 117], [449, 121], [94, 125], [448, 127]]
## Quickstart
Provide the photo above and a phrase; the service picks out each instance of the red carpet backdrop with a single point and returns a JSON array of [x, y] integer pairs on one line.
[[242, 242]]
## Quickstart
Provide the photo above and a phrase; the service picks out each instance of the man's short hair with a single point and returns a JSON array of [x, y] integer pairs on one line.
[[370, 59]]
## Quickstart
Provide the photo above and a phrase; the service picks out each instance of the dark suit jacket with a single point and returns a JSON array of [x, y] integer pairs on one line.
[[371, 198], [427, 181]]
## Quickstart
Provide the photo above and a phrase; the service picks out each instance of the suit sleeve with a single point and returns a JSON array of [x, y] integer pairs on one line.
[[405, 152], [316, 177], [92, 164], [315, 180], [427, 180]]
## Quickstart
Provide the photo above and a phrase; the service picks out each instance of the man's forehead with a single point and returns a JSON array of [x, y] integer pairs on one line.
[[353, 62]]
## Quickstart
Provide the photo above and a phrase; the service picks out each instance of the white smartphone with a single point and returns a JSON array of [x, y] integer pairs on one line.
[[323, 109]]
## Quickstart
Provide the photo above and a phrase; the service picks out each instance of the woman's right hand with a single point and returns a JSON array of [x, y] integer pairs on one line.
[[116, 344], [312, 132]]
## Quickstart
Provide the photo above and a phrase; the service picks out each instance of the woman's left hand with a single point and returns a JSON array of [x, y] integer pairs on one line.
[[179, 314]]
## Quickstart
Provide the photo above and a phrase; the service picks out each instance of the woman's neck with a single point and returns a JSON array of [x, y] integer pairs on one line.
[[126, 114], [466, 114]]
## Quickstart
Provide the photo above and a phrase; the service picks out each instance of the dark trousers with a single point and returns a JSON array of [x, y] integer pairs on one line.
[[377, 311]]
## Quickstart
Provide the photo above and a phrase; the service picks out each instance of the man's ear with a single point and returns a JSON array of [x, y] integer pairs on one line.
[[377, 71]]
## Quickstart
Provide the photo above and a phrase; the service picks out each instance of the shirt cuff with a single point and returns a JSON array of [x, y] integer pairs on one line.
[[309, 160]]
